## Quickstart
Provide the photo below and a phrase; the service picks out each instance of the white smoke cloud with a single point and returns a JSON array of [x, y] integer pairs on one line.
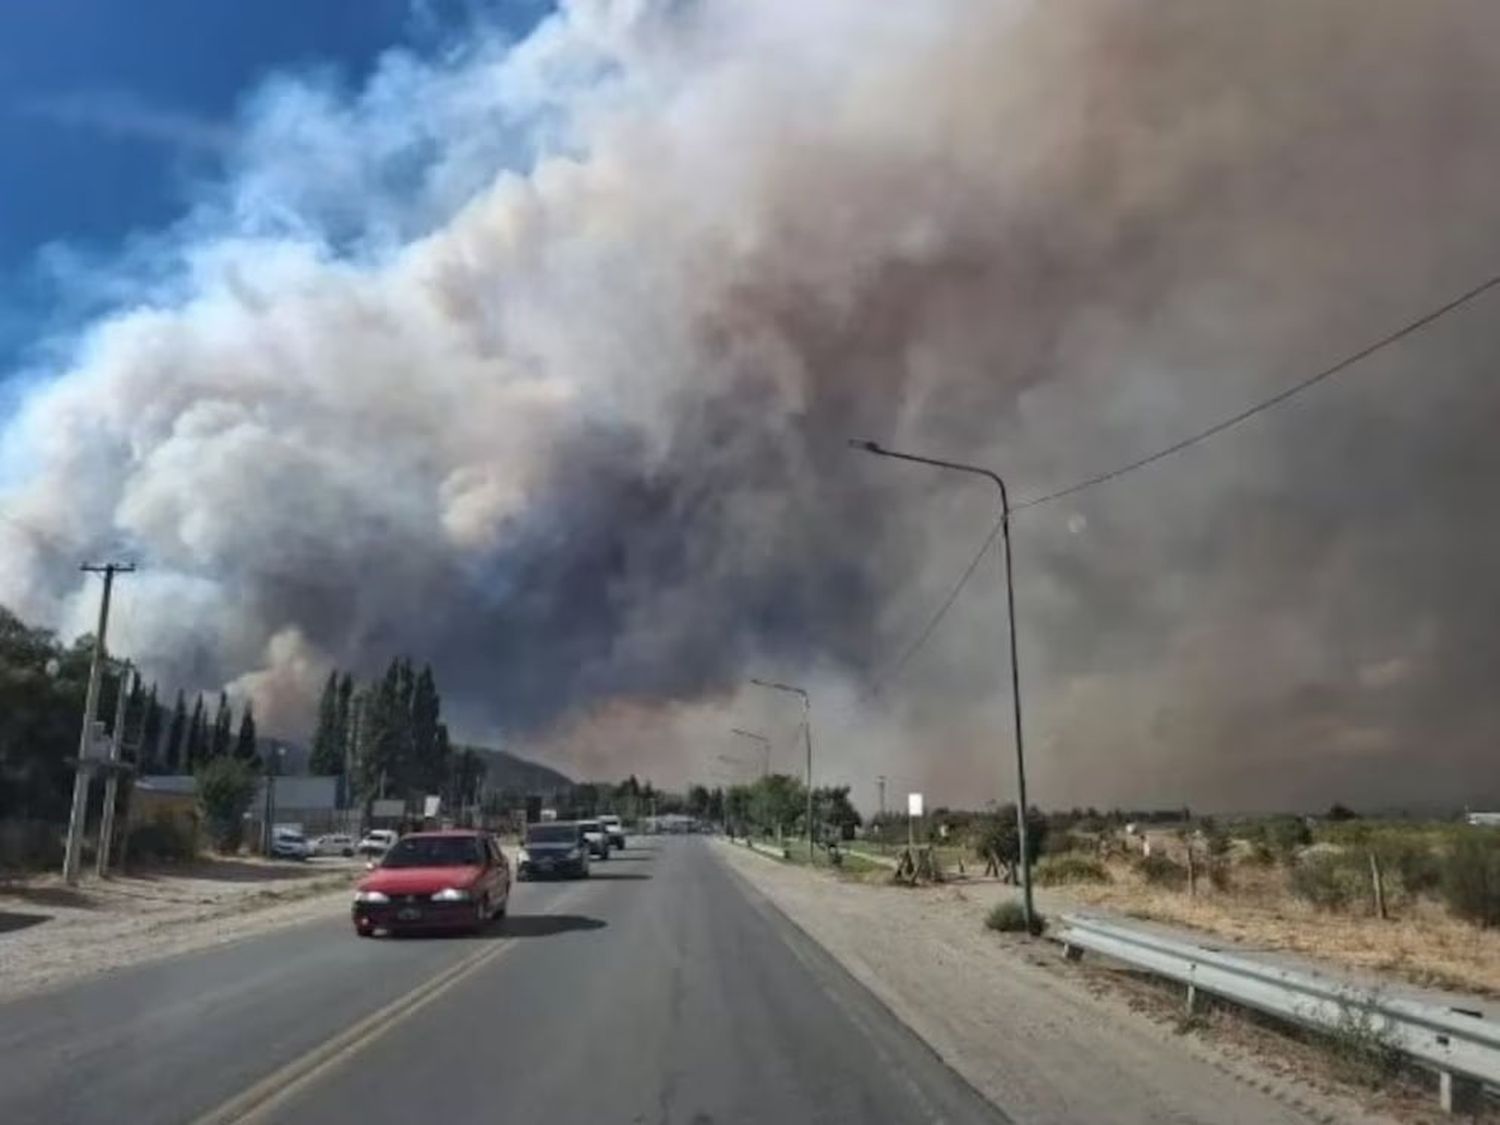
[[536, 359]]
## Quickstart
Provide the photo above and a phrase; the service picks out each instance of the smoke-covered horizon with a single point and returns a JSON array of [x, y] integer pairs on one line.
[[537, 360]]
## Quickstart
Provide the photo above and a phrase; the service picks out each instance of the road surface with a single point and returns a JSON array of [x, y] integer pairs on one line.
[[662, 990]]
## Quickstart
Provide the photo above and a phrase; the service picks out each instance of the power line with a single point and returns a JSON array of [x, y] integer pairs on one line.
[[1217, 428]]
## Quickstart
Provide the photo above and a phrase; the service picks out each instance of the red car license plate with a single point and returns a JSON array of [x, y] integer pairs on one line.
[[410, 914]]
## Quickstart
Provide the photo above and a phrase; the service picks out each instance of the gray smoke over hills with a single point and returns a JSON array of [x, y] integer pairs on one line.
[[539, 360]]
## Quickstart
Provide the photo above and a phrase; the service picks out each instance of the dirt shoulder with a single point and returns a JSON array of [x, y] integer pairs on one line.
[[52, 934], [1027, 1029]]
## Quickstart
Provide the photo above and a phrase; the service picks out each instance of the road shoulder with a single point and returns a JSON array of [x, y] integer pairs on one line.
[[68, 934], [1039, 1045]]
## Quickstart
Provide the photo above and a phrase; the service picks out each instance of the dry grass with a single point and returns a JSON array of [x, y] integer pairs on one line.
[[1424, 944]]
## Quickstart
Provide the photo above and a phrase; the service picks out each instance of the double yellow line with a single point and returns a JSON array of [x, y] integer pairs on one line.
[[278, 1087]]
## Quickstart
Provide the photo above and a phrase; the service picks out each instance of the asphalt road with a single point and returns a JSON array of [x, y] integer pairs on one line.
[[661, 990]]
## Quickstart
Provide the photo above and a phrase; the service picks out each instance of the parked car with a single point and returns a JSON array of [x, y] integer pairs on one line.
[[376, 841], [596, 838], [553, 848], [457, 879], [614, 829], [336, 843], [287, 843]]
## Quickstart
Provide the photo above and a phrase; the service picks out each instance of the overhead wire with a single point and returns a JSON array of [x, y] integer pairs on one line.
[[1219, 427]]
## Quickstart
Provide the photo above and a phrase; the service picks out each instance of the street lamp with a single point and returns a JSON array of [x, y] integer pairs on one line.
[[792, 689], [765, 745], [1015, 673]]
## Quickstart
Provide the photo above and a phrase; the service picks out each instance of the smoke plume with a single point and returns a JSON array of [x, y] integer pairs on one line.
[[538, 359]]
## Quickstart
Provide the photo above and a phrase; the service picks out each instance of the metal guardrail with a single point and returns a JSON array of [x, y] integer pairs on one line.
[[1462, 1044]]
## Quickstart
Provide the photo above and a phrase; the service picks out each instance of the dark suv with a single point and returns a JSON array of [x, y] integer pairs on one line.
[[553, 848]]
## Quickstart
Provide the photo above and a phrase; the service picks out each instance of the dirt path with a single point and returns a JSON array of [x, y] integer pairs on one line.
[[51, 934], [1037, 1042]]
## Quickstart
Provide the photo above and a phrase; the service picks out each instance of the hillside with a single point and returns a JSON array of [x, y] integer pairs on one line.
[[507, 771]]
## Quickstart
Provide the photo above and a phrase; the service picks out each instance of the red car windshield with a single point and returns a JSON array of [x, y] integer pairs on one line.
[[435, 851]]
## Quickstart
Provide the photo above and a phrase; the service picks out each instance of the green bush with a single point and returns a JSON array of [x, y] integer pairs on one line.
[[996, 833], [1471, 877], [225, 787], [1410, 865], [1332, 880], [1284, 835], [160, 839], [1363, 1045], [1009, 917], [1071, 867], [1162, 871]]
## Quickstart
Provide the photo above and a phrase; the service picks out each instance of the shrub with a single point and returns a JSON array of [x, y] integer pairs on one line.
[[160, 839], [1364, 1046], [1284, 835], [1331, 880], [1073, 867], [1471, 878], [225, 787], [1162, 871], [996, 833], [1411, 863], [1061, 844], [1216, 839], [1009, 917], [28, 844], [1219, 873]]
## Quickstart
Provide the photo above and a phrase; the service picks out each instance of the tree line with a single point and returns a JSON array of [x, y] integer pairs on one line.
[[43, 683], [387, 739]]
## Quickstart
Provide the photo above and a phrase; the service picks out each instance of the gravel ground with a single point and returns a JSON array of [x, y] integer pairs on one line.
[[1027, 1030], [51, 934]]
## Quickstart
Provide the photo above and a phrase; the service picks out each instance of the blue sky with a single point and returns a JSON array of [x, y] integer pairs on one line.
[[111, 111]]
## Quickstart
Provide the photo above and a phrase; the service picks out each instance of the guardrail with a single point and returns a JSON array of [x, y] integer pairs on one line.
[[1462, 1044]]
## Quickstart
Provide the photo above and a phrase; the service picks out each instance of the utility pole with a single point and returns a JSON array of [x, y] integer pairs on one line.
[[74, 853], [880, 781], [1010, 617], [112, 778]]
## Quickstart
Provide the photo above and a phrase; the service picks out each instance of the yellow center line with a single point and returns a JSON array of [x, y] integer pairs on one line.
[[254, 1102]]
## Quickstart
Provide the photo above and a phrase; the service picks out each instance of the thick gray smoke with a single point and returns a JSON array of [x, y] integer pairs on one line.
[[539, 361]]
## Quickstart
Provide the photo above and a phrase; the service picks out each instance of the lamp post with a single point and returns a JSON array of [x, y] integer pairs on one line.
[[765, 745], [792, 689], [1010, 611]]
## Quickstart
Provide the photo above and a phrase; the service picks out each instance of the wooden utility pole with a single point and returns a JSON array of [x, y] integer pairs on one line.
[[73, 855]]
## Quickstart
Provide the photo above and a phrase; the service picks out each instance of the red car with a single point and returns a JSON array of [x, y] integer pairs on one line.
[[434, 881]]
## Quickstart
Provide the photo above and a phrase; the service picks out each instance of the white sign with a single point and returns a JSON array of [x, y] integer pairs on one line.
[[914, 804], [430, 806]]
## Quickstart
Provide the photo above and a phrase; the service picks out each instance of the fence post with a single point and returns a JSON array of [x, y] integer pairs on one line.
[[1378, 882]]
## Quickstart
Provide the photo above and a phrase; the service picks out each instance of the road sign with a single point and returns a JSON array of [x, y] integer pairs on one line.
[[914, 804]]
